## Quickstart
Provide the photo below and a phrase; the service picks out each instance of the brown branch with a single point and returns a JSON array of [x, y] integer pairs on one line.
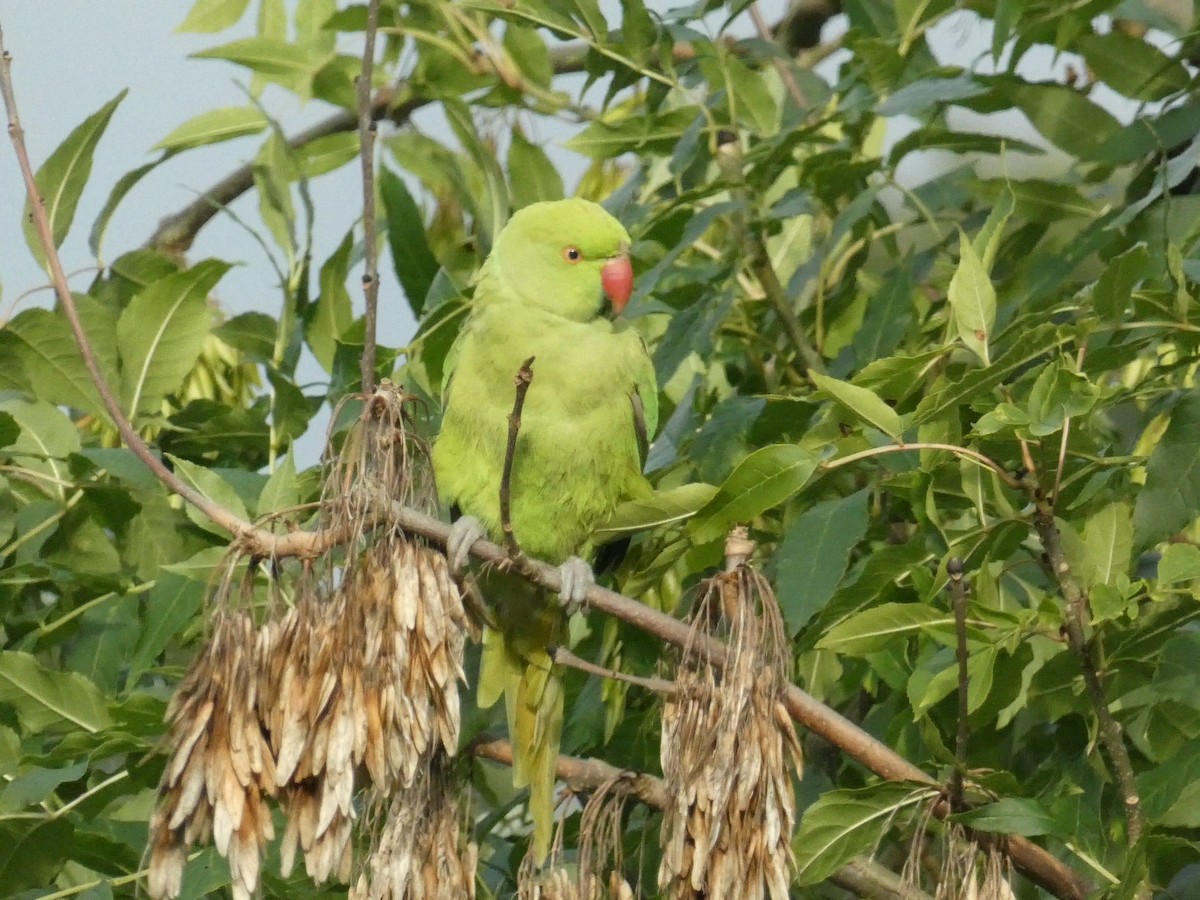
[[366, 138], [522, 381], [861, 875], [785, 73], [958, 599], [1038, 865], [1077, 620]]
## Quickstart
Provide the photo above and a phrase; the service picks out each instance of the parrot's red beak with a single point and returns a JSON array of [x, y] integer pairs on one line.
[[617, 280]]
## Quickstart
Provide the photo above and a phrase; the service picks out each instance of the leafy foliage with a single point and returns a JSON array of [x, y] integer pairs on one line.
[[973, 347]]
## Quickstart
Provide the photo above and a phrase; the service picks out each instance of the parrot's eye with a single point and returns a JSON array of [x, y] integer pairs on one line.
[[572, 254]]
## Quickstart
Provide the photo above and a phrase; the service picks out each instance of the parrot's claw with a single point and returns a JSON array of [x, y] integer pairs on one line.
[[576, 577], [464, 532]]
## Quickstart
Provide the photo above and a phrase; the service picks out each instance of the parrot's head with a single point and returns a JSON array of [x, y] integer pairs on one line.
[[565, 256]]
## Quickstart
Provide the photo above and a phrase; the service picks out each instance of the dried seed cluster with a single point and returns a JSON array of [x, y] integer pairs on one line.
[[366, 677], [220, 766], [418, 854], [728, 750]]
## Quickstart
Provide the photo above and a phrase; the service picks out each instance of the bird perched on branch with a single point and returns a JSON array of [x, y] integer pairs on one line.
[[584, 428]]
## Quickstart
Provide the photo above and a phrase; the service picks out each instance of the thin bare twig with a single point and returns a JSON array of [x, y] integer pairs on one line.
[[565, 657], [522, 381], [785, 73], [958, 599], [366, 138]]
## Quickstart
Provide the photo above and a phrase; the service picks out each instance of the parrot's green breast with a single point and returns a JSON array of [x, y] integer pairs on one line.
[[577, 455]]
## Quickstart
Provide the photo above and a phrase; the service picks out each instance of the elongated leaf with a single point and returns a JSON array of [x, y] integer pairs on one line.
[[873, 629], [415, 264], [863, 403], [1170, 501], [333, 313], [214, 126], [973, 300], [270, 56], [813, 555], [209, 16], [1108, 534], [212, 486], [844, 823], [604, 140], [62, 177], [173, 602], [1013, 815], [1179, 563], [44, 699], [1065, 117], [124, 185], [160, 335], [1133, 66], [764, 479], [665, 507], [531, 174], [1114, 289], [1164, 790]]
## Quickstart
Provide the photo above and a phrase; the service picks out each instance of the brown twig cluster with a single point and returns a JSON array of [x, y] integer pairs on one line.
[[729, 748], [359, 672]]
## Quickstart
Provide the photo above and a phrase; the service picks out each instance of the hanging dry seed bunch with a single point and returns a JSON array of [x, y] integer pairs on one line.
[[553, 880], [219, 767], [381, 460], [601, 847], [727, 742], [419, 852], [969, 870]]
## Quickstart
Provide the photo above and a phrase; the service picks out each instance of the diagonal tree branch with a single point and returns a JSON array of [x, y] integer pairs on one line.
[[366, 142]]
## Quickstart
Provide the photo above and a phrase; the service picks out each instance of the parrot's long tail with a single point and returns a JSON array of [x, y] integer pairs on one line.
[[533, 696]]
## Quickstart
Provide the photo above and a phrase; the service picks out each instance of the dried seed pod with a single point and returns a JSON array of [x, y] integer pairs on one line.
[[729, 748], [219, 767], [419, 852]]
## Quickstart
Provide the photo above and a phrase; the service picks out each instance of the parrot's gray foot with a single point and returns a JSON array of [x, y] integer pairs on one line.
[[463, 533], [576, 577]]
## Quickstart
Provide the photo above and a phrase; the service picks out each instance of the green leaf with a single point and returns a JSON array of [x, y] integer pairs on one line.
[[62, 177], [210, 16], [282, 490], [31, 852], [1170, 793], [333, 314], [1064, 117], [764, 479], [531, 174], [863, 403], [214, 126], [172, 604], [1132, 66], [253, 333], [415, 264], [1170, 500], [161, 333], [988, 240], [1114, 289], [124, 185], [1013, 815], [632, 134], [1108, 534], [813, 554], [491, 210], [1180, 563], [9, 429], [270, 56], [46, 439], [44, 699], [874, 629], [662, 508], [844, 823], [327, 153], [105, 634], [973, 300], [212, 486]]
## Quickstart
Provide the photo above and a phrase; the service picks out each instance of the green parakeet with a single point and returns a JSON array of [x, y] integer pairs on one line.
[[588, 414]]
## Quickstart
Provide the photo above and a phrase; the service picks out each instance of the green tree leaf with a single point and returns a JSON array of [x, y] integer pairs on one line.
[[531, 174], [1171, 497], [973, 300], [764, 479], [333, 314], [874, 629], [213, 126], [1064, 117], [160, 335], [843, 823], [864, 403], [415, 264], [44, 699], [813, 555], [62, 177], [1013, 815], [210, 16], [663, 508], [1133, 66], [1114, 289], [215, 488]]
